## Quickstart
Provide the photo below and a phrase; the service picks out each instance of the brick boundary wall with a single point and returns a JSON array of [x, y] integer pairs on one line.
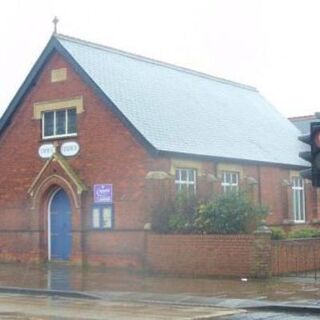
[[122, 249], [253, 255], [291, 256], [200, 255], [27, 251]]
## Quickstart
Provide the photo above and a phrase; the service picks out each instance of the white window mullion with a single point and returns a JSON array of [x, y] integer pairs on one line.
[[298, 199], [298, 190], [54, 123], [66, 124], [303, 206], [230, 181], [47, 133], [43, 125], [296, 205], [186, 180], [303, 202]]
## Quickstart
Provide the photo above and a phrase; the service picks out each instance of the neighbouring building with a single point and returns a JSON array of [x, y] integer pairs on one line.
[[94, 134], [303, 122]]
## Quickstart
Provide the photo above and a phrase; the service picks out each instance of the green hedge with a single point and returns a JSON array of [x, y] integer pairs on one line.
[[230, 213], [278, 233], [303, 233]]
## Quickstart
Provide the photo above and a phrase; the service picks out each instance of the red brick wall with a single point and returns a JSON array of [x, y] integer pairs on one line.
[[19, 246], [215, 255], [272, 193], [109, 153], [270, 190], [116, 249], [289, 256]]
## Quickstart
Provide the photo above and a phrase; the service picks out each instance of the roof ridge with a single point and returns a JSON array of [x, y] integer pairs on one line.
[[306, 117], [154, 61]]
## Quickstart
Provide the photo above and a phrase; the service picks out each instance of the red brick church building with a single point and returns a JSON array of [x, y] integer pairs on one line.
[[94, 133]]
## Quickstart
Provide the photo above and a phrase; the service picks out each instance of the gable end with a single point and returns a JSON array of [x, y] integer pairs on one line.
[[53, 47]]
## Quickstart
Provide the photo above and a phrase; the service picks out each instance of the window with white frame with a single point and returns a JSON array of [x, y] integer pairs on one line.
[[59, 123], [230, 181], [298, 199], [102, 217], [186, 180]]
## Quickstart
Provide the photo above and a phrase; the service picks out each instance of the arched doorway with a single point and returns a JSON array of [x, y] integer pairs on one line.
[[59, 226]]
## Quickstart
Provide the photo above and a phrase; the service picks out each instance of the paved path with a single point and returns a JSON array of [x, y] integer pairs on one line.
[[191, 300], [124, 295], [64, 277], [270, 316], [45, 308]]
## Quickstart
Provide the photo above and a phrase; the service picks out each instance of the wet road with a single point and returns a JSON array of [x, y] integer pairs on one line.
[[19, 307], [271, 316], [61, 277], [103, 282], [35, 308]]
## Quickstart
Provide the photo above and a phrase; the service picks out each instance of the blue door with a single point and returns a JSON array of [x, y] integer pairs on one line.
[[60, 226]]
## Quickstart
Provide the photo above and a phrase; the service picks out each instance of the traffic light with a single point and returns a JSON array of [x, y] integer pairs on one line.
[[312, 156]]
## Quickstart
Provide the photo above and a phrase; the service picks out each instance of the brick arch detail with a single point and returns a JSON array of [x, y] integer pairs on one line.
[[55, 181], [41, 196]]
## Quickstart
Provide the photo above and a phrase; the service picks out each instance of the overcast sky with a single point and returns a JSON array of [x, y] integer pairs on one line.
[[270, 44]]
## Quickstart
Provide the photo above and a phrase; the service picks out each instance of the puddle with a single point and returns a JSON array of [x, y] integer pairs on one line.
[[64, 277]]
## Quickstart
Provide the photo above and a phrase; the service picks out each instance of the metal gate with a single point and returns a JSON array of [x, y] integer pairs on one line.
[[296, 257]]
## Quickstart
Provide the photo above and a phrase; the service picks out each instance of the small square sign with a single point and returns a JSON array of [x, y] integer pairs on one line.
[[102, 193]]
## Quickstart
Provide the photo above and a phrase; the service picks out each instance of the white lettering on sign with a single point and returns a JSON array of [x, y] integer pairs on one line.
[[46, 151], [70, 148]]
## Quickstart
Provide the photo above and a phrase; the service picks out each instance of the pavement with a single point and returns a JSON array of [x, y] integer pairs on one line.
[[42, 307], [269, 315], [311, 306], [23, 303], [62, 291]]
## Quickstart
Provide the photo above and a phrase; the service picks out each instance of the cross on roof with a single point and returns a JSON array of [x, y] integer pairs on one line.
[[55, 22]]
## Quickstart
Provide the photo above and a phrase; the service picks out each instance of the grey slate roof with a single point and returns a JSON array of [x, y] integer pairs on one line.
[[179, 110], [183, 111]]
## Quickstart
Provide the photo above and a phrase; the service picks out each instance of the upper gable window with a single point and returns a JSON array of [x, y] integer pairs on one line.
[[59, 123]]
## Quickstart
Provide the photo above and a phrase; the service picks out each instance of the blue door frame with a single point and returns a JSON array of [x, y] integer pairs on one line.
[[60, 237]]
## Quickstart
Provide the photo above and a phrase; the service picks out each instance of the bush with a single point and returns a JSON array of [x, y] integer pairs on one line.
[[304, 233], [178, 223], [277, 233], [177, 215], [161, 215], [231, 213]]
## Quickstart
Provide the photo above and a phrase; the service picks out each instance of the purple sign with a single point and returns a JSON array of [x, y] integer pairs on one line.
[[102, 193]]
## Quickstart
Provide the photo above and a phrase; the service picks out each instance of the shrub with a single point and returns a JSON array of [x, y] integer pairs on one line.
[[178, 223], [161, 215], [277, 233], [177, 215], [230, 213], [304, 233]]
